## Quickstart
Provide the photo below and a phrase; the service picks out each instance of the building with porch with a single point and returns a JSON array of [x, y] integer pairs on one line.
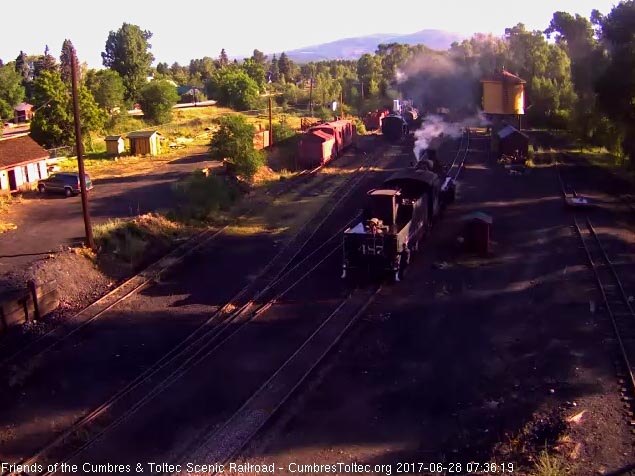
[[22, 164]]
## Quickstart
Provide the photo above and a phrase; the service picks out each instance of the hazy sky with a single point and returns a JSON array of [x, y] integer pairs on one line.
[[194, 28]]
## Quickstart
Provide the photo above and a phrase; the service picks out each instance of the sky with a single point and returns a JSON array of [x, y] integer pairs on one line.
[[195, 28]]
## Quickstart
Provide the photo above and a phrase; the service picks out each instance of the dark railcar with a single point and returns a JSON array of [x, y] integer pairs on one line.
[[397, 217], [394, 127]]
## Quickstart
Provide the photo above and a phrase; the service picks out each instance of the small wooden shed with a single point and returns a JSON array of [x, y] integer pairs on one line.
[[115, 145], [511, 142], [145, 143], [477, 232]]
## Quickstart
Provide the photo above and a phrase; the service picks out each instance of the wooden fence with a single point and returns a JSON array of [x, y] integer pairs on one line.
[[28, 304]]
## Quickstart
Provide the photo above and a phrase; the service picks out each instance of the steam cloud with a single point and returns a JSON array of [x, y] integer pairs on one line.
[[435, 126]]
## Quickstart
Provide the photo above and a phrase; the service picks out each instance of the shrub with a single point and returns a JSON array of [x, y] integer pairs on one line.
[[359, 126], [200, 197], [157, 99], [282, 132]]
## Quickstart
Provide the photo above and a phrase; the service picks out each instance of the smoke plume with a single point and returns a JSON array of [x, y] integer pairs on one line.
[[434, 128]]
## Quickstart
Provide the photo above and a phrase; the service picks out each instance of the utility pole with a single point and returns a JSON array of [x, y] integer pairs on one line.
[[311, 95], [270, 122], [80, 152], [342, 103]]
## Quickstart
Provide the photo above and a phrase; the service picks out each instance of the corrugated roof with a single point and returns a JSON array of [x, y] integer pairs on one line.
[[319, 135], [505, 76], [112, 138], [134, 135], [509, 130], [20, 150]]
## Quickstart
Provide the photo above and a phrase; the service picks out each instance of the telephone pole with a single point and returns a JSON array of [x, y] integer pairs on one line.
[[270, 122], [342, 103], [311, 96], [80, 151]]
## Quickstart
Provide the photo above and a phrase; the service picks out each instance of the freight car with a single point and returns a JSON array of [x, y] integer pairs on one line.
[[373, 120], [394, 127], [395, 220], [324, 142]]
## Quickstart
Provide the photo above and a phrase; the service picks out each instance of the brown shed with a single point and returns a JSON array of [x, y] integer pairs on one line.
[[115, 145], [145, 143]]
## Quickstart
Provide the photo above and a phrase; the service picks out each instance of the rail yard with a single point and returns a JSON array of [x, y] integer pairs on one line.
[[236, 355]]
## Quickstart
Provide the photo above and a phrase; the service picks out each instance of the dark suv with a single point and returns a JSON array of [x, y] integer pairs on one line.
[[63, 182]]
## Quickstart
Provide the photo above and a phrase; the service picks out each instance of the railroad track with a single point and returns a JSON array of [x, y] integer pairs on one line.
[[173, 366], [226, 443], [198, 345], [461, 155], [616, 301], [614, 297], [45, 342]]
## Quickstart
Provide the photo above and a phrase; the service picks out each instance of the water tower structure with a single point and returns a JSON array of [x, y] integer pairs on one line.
[[504, 97]]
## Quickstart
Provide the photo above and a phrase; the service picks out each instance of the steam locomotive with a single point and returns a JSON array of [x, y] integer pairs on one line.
[[398, 216]]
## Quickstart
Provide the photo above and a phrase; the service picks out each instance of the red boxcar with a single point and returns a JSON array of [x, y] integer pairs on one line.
[[341, 130], [316, 148], [314, 142], [372, 120]]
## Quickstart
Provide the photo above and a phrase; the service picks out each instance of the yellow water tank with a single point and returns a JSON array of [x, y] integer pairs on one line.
[[503, 93]]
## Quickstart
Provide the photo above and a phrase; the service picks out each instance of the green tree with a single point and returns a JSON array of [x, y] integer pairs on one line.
[[260, 58], [107, 87], [232, 87], [127, 53], [22, 66], [53, 125], [45, 62], [616, 87], [163, 69], [204, 67], [223, 59], [274, 70], [234, 141], [392, 56], [255, 71], [11, 90], [66, 59], [369, 71], [157, 98], [285, 67]]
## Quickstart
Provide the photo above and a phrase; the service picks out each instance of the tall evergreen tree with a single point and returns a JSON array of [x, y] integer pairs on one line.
[[223, 59], [22, 66], [66, 58]]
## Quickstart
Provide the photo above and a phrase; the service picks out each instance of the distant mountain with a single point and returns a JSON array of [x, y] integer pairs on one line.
[[353, 48]]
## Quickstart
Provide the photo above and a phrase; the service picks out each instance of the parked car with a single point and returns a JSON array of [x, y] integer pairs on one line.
[[63, 182]]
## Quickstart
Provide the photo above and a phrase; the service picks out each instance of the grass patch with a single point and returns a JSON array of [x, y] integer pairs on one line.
[[107, 167], [6, 201], [549, 465], [130, 240]]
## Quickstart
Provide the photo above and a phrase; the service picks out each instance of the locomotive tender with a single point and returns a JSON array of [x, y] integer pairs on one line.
[[397, 218]]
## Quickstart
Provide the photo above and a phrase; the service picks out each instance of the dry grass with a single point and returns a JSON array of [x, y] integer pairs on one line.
[[549, 465], [284, 215], [128, 165], [130, 240], [6, 202]]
